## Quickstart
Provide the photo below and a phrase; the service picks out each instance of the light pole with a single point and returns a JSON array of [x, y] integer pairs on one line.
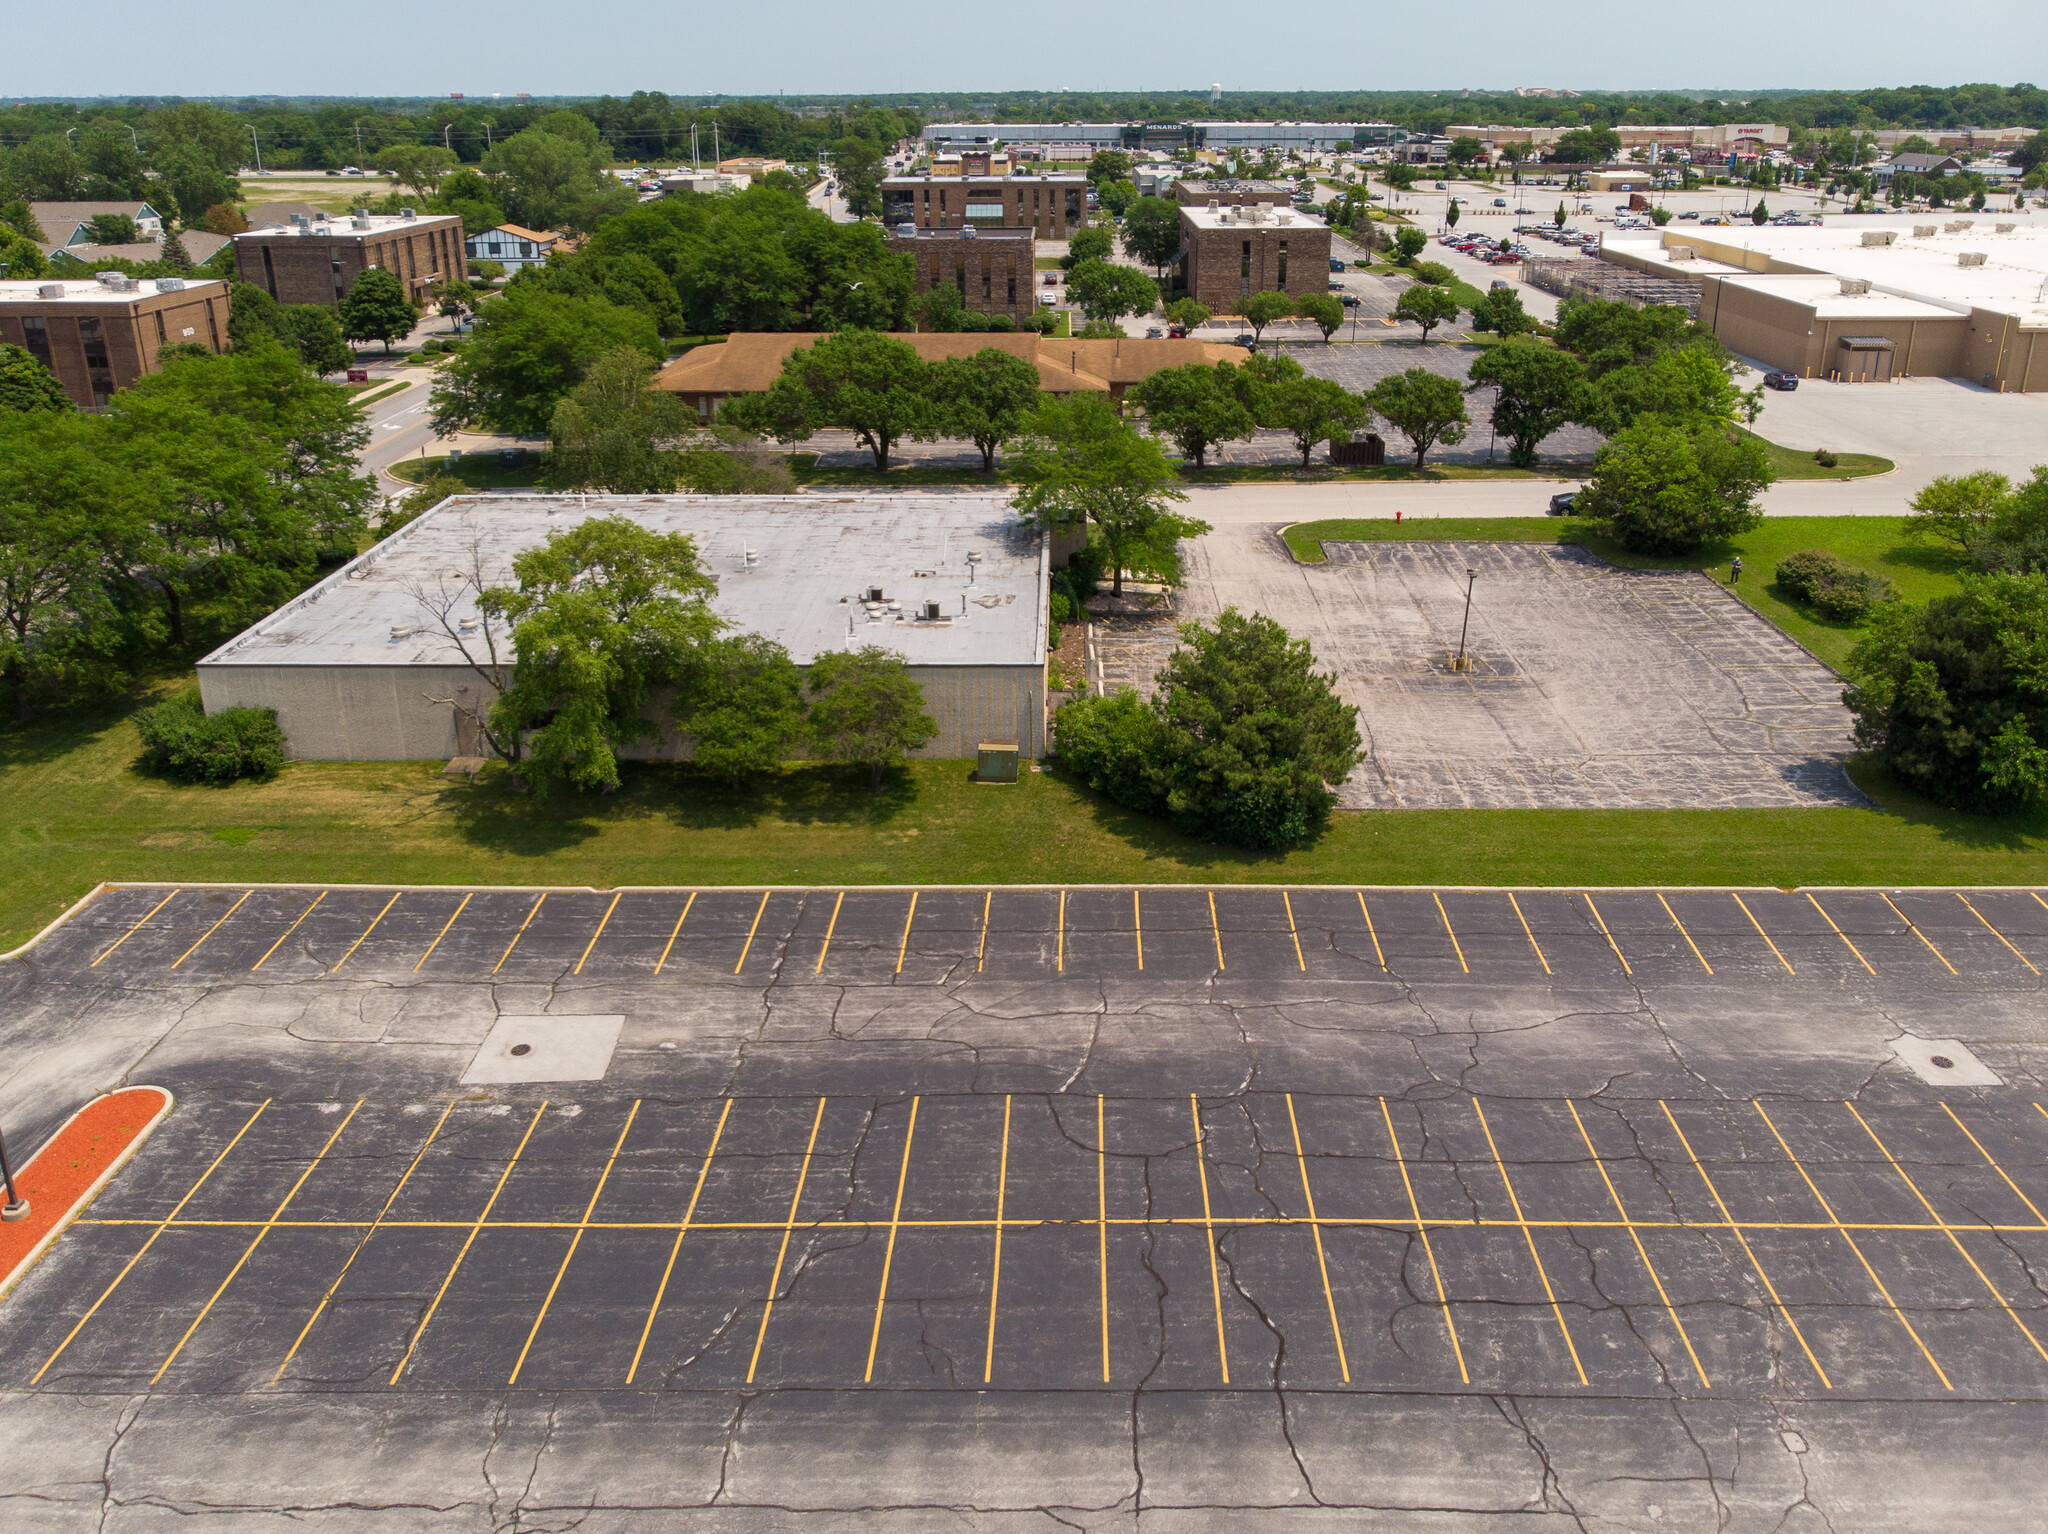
[[16, 1207], [1461, 663], [257, 147]]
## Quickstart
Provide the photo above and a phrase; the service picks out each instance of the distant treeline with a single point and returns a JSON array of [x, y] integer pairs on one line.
[[320, 134]]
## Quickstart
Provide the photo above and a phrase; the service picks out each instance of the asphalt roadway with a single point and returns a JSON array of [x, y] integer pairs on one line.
[[1433, 1209]]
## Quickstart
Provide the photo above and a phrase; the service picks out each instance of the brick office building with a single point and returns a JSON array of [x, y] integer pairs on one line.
[[993, 268], [1230, 253], [1049, 206], [99, 336], [317, 260]]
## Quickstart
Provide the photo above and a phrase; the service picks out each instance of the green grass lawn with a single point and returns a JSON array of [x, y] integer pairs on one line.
[[1873, 543], [480, 471], [80, 813], [1790, 463]]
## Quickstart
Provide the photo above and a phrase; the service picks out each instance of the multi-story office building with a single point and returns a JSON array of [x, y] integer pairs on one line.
[[101, 335], [1230, 253], [993, 268], [1049, 206], [317, 260]]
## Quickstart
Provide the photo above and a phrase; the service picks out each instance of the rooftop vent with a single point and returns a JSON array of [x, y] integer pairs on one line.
[[407, 213], [968, 232], [1878, 237], [359, 222], [50, 290], [1969, 258], [1853, 286], [466, 625], [170, 284], [1684, 253], [401, 631], [297, 220], [874, 594], [930, 612], [906, 230], [2005, 228], [1920, 232]]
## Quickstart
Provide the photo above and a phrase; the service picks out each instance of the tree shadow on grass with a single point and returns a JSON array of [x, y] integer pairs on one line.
[[489, 813], [1155, 837], [2025, 831]]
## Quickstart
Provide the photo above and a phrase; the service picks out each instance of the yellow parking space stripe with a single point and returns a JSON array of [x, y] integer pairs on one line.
[[889, 1251], [682, 916], [596, 935], [1902, 916], [1456, 947], [576, 1239], [788, 1225], [902, 948], [209, 932], [117, 942], [1618, 954], [1209, 1236], [1371, 931], [352, 947], [1761, 933], [1429, 1251], [748, 946], [1529, 1236], [459, 909], [1216, 928], [273, 948], [830, 927], [1965, 899], [538, 902], [1316, 1229], [683, 1230], [1527, 933], [1839, 932], [1695, 947], [1300, 962]]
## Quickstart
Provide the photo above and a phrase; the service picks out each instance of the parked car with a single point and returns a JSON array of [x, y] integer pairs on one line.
[[1500, 202], [1561, 505], [1497, 283], [1176, 332], [1348, 300], [1245, 339], [1692, 214], [1153, 332], [1047, 300], [1052, 279], [1441, 187], [1336, 265], [350, 170], [1777, 380], [1713, 218]]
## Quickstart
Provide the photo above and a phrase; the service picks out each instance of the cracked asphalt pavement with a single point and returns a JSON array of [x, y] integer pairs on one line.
[[1096, 1208]]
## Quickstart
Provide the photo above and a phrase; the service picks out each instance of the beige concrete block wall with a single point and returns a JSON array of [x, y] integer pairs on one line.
[[390, 713], [1785, 334]]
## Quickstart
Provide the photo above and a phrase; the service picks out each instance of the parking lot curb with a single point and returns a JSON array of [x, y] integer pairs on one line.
[[68, 1170]]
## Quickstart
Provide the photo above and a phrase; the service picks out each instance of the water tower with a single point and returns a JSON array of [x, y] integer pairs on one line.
[[1215, 95]]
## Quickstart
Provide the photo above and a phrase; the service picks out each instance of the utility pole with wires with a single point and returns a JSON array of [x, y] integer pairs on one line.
[[258, 148]]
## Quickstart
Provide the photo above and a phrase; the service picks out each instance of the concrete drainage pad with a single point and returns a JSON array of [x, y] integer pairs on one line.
[[1943, 1063], [524, 1049]]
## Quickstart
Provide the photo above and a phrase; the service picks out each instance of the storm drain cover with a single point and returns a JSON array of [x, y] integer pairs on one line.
[[520, 1049], [1943, 1063]]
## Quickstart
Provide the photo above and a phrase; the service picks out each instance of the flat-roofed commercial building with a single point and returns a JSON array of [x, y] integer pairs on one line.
[[750, 362], [1230, 253], [361, 668], [1220, 191], [101, 335], [993, 268], [317, 260], [1049, 206], [1957, 298], [1224, 135]]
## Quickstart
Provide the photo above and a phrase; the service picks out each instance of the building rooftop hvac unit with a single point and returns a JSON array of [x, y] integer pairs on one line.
[[170, 284], [1969, 258], [1876, 237], [1920, 232], [359, 222], [406, 213], [1957, 226], [907, 230], [50, 290], [1855, 286], [2005, 228]]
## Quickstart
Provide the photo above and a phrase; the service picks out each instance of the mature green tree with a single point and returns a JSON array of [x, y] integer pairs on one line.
[[616, 432], [455, 298], [1321, 310], [1084, 464], [555, 180], [859, 165], [1688, 384], [238, 470], [1501, 312], [1118, 197], [1252, 737], [1426, 305], [1194, 406], [1953, 696], [1465, 149], [47, 169], [1188, 314], [1151, 234], [1538, 391], [113, 165], [1409, 242], [25, 384], [1109, 165], [1094, 242], [314, 333], [1666, 488], [1585, 146], [112, 229], [528, 350], [1609, 334], [1107, 292], [58, 491], [1759, 214], [1959, 510], [867, 709], [1560, 217], [605, 614], [1261, 309], [194, 179], [985, 398], [172, 255], [22, 256], [1426, 408], [746, 707], [376, 309], [468, 194], [420, 167], [1315, 410], [1451, 213], [872, 385]]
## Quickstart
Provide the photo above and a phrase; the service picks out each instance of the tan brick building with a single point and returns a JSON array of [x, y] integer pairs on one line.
[[1049, 206], [99, 336], [317, 260], [1230, 253], [993, 268]]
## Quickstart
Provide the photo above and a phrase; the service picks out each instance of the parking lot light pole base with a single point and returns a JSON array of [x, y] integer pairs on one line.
[[18, 1210]]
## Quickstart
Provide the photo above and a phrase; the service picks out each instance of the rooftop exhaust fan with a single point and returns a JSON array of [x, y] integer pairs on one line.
[[1853, 286]]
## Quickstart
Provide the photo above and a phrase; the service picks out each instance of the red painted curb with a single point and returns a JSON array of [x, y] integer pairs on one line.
[[64, 1174]]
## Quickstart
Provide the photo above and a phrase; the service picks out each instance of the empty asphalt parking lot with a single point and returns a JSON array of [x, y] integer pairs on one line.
[[1630, 1208]]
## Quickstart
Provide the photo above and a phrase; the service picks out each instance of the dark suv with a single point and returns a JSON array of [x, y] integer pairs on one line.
[[1776, 380]]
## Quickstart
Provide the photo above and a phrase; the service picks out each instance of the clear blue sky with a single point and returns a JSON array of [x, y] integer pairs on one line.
[[383, 47]]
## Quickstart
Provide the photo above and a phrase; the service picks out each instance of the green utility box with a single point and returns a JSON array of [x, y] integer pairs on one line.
[[996, 762]]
